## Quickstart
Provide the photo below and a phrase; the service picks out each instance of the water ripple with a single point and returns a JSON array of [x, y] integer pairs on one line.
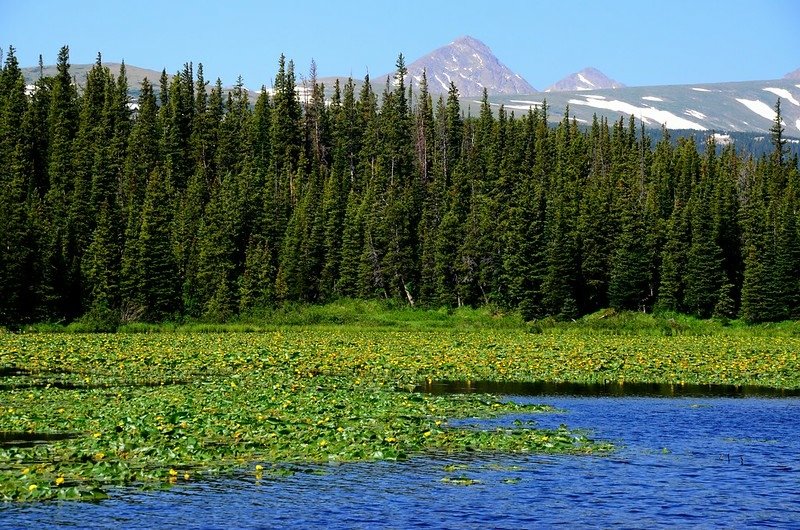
[[683, 462]]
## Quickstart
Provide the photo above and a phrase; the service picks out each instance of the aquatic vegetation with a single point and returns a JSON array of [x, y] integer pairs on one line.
[[161, 409], [100, 410]]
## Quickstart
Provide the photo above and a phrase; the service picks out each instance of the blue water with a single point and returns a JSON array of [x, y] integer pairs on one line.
[[682, 462]]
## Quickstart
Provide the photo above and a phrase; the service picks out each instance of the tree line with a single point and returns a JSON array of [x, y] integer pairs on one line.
[[196, 202]]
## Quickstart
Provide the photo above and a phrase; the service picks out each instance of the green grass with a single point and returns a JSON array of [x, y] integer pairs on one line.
[[392, 315], [344, 313]]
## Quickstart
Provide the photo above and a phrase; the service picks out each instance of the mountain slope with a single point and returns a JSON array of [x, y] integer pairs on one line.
[[722, 107], [793, 75], [587, 79], [471, 66]]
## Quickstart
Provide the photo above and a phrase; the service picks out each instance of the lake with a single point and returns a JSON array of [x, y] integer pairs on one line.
[[692, 461]]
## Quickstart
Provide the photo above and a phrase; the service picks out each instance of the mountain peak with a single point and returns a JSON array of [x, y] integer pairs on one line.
[[589, 78], [471, 66], [469, 40]]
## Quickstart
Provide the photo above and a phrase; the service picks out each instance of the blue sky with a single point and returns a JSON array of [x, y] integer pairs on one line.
[[636, 42]]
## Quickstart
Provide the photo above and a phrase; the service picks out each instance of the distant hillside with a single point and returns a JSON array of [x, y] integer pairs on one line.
[[587, 79], [793, 75], [134, 74], [79, 71]]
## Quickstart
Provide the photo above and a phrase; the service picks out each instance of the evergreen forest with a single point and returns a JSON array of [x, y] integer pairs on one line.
[[195, 202]]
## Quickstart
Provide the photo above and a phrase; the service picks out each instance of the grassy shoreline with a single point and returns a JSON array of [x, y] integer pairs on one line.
[[391, 315], [173, 404]]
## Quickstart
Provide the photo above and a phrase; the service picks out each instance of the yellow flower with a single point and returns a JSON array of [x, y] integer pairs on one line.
[[173, 473], [59, 481], [259, 468], [186, 476], [32, 487], [99, 456], [26, 471], [323, 443]]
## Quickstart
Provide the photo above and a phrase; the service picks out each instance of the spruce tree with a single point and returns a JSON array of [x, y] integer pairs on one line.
[[154, 271], [101, 270]]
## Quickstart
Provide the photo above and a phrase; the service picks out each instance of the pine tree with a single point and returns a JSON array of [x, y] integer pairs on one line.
[[524, 259], [673, 262], [62, 286], [598, 223], [727, 224], [155, 273], [216, 266], [17, 239], [175, 116], [352, 247], [101, 270], [758, 303], [16, 230], [704, 274], [256, 284]]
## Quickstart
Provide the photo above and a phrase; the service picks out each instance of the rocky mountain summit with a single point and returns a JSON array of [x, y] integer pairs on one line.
[[471, 66], [587, 79]]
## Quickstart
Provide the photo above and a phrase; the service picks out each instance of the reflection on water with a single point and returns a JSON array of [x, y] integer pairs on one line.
[[601, 389], [27, 439], [683, 462]]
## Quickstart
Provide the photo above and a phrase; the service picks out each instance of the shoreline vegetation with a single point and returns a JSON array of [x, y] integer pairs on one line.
[[160, 405], [390, 314]]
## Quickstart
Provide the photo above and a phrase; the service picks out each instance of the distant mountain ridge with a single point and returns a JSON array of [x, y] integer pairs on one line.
[[471, 66], [745, 106], [723, 107], [587, 79], [134, 74]]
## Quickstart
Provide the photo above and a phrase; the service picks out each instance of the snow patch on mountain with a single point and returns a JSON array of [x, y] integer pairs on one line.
[[695, 114], [584, 80], [651, 98], [797, 124], [514, 107], [698, 89], [783, 93], [646, 114], [445, 86], [759, 107]]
